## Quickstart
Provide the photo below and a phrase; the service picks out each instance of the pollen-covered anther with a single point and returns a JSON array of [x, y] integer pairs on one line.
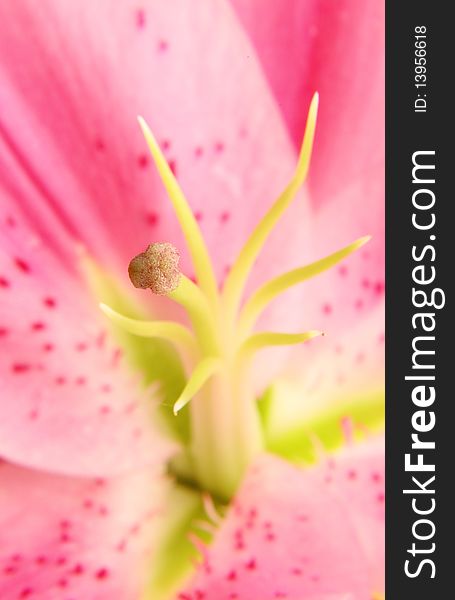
[[156, 268]]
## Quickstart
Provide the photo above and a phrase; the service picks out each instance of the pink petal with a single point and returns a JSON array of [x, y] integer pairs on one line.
[[69, 403], [71, 538], [286, 536], [341, 367], [72, 87], [338, 50], [357, 474]]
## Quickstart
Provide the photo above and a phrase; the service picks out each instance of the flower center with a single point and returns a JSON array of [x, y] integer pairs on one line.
[[218, 348]]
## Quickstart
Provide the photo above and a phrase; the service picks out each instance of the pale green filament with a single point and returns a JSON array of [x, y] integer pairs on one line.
[[241, 269], [188, 295], [196, 244], [179, 335], [270, 290], [266, 339], [202, 372]]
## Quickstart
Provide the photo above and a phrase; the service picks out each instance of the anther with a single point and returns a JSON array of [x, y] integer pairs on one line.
[[156, 268]]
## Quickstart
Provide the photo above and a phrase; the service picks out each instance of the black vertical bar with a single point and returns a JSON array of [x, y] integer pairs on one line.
[[408, 132]]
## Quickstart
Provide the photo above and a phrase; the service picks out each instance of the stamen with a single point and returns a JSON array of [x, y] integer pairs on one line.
[[168, 330], [258, 341], [156, 268], [190, 228], [241, 269], [203, 371], [270, 290]]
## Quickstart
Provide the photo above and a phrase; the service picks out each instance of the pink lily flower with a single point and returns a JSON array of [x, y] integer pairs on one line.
[[252, 490]]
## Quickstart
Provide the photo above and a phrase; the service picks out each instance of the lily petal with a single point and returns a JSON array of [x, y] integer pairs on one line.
[[286, 536], [76, 538], [338, 50], [358, 476], [68, 403], [341, 367], [72, 133]]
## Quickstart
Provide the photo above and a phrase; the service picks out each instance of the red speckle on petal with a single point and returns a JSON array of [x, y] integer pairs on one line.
[[142, 161], [10, 570], [358, 304], [38, 326], [152, 218], [50, 302], [198, 215], [251, 565], [22, 265], [198, 151], [20, 368], [4, 283], [33, 415], [3, 331], [343, 270], [48, 347], [327, 309], [99, 145], [173, 167], [165, 145], [379, 288], [78, 569], [163, 45], [140, 18], [102, 574], [225, 216], [219, 147]]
